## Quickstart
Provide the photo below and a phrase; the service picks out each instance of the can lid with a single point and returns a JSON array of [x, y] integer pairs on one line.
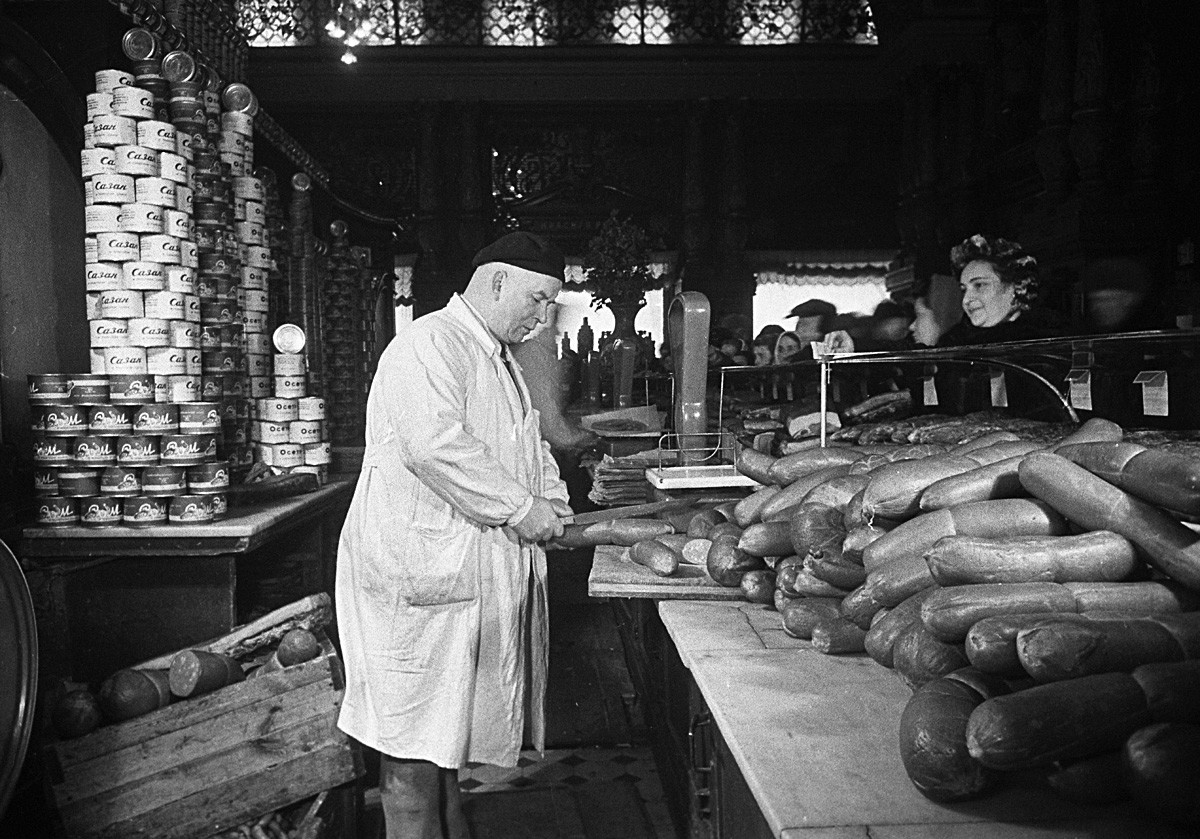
[[289, 338], [179, 66], [239, 97], [301, 182], [339, 228], [140, 44]]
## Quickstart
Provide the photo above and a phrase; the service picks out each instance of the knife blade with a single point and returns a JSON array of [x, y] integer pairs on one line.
[[628, 512]]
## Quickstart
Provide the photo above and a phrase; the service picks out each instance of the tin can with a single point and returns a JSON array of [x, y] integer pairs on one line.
[[94, 450], [106, 80], [190, 509], [248, 187], [166, 361], [100, 511], [305, 432], [108, 333], [132, 101], [253, 277], [188, 253], [217, 312], [289, 338], [112, 130], [220, 361], [191, 308], [291, 387], [265, 431], [125, 360], [199, 418], [143, 276], [183, 334], [88, 135], [256, 343], [180, 279], [156, 418], [136, 160], [141, 218], [101, 218], [208, 478], [278, 409], [47, 388], [250, 233], [172, 167], [165, 305], [184, 198], [88, 388], [149, 332], [131, 388], [187, 449], [238, 122], [212, 387], [91, 250], [154, 190], [254, 322], [257, 256], [163, 480], [113, 189], [58, 512], [117, 245], [287, 455], [45, 481], [99, 104], [110, 419], [158, 247], [120, 481], [260, 387], [66, 420], [102, 276], [121, 303], [217, 264], [144, 511], [160, 136], [138, 449], [257, 365], [220, 505], [94, 162], [192, 362], [53, 451], [177, 223], [290, 364]]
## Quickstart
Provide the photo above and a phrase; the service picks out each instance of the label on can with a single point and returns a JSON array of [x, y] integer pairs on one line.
[[166, 361], [177, 223], [113, 130], [183, 388], [92, 448], [208, 477], [305, 431], [65, 420], [58, 512], [311, 408], [143, 511], [184, 334], [187, 253], [290, 364], [102, 276], [259, 387], [271, 432], [291, 386], [117, 245], [149, 332], [257, 364], [121, 303], [101, 218], [187, 449], [160, 248], [192, 364], [172, 167], [109, 333], [143, 276], [250, 188], [93, 162], [112, 189], [110, 419], [255, 322], [191, 308], [184, 198], [165, 305], [125, 360], [137, 160], [99, 104], [190, 509], [100, 511], [153, 190], [131, 388], [159, 418], [278, 410], [141, 218], [157, 135], [131, 101], [106, 80]]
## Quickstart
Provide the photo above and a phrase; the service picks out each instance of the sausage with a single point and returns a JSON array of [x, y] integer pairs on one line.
[[837, 636], [1096, 556], [1095, 504], [1168, 479], [653, 554], [748, 510], [950, 612], [767, 539], [793, 494], [984, 483], [1055, 650], [919, 658], [882, 635], [754, 464], [894, 490], [786, 470], [726, 563], [801, 614]]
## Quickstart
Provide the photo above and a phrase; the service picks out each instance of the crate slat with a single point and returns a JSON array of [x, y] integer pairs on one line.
[[110, 771], [243, 763], [183, 713]]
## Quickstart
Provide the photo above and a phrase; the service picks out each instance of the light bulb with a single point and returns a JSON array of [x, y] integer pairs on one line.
[[348, 57], [334, 30], [352, 41]]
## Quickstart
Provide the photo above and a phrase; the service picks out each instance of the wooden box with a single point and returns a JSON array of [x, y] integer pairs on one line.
[[204, 765]]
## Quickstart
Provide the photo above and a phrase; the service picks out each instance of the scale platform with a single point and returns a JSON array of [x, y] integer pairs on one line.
[[697, 461]]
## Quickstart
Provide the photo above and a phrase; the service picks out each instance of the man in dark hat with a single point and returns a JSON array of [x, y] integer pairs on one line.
[[812, 319], [441, 577]]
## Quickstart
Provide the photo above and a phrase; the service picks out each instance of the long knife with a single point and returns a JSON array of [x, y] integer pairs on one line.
[[631, 511]]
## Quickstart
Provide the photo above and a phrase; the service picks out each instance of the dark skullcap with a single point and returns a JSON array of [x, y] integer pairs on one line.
[[525, 250]]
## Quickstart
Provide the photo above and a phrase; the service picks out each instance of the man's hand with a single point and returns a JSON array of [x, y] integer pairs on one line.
[[542, 522]]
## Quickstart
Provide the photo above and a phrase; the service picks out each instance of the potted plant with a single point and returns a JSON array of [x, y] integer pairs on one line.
[[617, 271]]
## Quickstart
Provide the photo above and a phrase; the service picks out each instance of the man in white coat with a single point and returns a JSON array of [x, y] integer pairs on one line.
[[441, 581]]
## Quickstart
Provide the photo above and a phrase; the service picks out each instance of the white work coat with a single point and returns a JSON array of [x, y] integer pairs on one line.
[[441, 611]]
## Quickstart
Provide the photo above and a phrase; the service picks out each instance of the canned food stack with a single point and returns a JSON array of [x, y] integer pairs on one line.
[[289, 430], [277, 242], [344, 338], [140, 258], [106, 453]]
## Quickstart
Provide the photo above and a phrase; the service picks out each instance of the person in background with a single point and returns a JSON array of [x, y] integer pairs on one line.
[[441, 577], [1117, 296], [772, 331], [812, 319], [764, 349], [999, 280], [924, 329], [787, 349]]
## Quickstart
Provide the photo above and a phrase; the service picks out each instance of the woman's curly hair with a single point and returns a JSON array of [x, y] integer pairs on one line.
[[1013, 265]]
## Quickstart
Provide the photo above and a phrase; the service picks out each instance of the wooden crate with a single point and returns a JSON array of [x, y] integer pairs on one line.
[[204, 765]]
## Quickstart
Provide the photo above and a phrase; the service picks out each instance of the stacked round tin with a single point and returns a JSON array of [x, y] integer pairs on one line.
[[289, 429], [140, 252], [107, 453]]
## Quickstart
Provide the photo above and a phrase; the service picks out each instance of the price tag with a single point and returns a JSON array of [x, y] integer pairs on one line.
[[999, 389], [1154, 392], [1079, 389], [930, 391]]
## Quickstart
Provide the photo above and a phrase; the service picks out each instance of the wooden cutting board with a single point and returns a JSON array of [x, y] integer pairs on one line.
[[614, 574]]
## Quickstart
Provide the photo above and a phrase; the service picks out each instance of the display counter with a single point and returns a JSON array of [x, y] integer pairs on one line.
[[109, 597], [758, 735]]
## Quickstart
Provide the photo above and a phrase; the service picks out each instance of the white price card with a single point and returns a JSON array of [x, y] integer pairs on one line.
[[1154, 392], [999, 389], [1079, 389], [929, 391]]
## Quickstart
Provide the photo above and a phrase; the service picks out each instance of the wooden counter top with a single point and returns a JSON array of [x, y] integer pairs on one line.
[[614, 574], [244, 529], [815, 737]]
